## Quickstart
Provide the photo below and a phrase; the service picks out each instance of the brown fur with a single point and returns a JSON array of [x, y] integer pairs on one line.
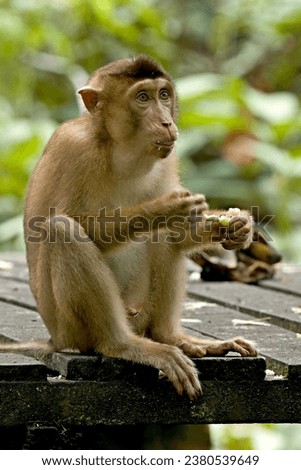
[[121, 155]]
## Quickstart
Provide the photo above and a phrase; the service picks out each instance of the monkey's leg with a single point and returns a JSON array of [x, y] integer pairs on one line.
[[90, 313], [168, 291]]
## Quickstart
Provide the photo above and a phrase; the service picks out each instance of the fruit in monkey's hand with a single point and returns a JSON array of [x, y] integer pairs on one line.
[[224, 219]]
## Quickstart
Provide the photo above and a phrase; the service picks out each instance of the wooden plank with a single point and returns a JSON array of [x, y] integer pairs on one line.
[[15, 367], [283, 310], [278, 346], [17, 293], [17, 257], [280, 353], [13, 266], [75, 366], [234, 388], [78, 367], [231, 368], [281, 348], [15, 272], [20, 324], [91, 403], [287, 280]]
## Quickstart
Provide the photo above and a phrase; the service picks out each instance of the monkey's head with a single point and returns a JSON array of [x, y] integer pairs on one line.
[[133, 103]]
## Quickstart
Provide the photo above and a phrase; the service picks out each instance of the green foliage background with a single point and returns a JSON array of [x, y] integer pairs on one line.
[[237, 70]]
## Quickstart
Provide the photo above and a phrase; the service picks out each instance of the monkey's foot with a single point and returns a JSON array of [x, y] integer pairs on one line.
[[199, 348]]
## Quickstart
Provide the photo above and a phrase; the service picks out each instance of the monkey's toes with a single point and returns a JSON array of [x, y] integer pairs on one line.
[[193, 350], [183, 374], [192, 386], [247, 346]]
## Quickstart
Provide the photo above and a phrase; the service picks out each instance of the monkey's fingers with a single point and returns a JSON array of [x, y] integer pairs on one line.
[[180, 193], [180, 203], [193, 201], [199, 198], [239, 234], [217, 231], [240, 225], [195, 216], [236, 244], [190, 206], [185, 194], [201, 207]]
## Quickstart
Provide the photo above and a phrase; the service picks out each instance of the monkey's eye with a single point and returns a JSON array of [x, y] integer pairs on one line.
[[164, 95], [142, 96]]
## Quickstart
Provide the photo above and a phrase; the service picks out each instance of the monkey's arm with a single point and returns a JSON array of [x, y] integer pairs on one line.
[[111, 229]]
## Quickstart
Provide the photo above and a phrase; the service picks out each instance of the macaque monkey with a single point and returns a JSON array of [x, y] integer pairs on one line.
[[108, 225]]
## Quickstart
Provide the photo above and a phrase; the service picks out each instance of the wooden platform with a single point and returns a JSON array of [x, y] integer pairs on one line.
[[75, 390]]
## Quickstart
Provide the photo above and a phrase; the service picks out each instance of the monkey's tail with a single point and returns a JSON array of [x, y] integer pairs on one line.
[[44, 346]]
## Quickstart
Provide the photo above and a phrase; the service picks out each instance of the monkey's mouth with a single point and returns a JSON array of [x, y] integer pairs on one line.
[[165, 143], [164, 147]]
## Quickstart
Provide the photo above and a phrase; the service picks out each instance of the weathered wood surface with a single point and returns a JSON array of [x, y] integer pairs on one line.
[[87, 390]]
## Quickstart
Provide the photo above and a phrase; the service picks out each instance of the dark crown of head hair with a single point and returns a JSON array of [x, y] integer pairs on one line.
[[144, 67], [136, 68]]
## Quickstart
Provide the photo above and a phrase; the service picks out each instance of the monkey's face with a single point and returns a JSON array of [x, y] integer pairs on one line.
[[137, 116], [152, 111], [141, 115]]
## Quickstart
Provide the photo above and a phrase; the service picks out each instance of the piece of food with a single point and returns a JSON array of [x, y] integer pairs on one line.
[[224, 219], [233, 212]]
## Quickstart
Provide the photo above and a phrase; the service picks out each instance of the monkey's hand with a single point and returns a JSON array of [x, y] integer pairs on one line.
[[239, 233], [179, 204]]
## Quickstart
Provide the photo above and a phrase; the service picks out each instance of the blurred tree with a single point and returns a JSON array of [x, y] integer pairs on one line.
[[238, 69]]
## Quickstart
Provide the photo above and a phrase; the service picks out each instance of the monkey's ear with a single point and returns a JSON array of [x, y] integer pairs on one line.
[[90, 98]]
